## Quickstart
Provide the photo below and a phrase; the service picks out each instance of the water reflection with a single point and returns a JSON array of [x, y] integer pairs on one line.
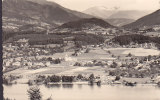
[[94, 85], [86, 92], [157, 87], [99, 85], [67, 85], [91, 86], [9, 85], [79, 86], [52, 85]]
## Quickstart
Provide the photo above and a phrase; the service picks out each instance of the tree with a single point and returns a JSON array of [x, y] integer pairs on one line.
[[55, 78], [91, 77], [113, 55], [79, 76], [49, 59], [129, 55], [78, 44], [57, 61], [118, 57], [109, 52], [117, 78], [34, 93], [114, 65], [67, 78], [149, 57]]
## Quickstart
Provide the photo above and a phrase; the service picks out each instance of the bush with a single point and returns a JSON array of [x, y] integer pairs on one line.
[[34, 93], [55, 78], [49, 59], [67, 78], [30, 82], [109, 52], [112, 73], [114, 65], [56, 61], [129, 55], [77, 64], [79, 76], [113, 55]]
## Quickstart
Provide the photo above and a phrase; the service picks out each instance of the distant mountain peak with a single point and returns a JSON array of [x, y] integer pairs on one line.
[[100, 11], [129, 14], [102, 8], [99, 7]]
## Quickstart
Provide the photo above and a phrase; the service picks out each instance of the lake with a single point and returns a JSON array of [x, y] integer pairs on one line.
[[86, 92]]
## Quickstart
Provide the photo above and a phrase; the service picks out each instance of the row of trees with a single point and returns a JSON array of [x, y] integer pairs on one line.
[[55, 78], [56, 38], [9, 34], [135, 38], [88, 39]]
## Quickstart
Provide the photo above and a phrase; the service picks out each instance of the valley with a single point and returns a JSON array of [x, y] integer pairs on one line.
[[52, 47]]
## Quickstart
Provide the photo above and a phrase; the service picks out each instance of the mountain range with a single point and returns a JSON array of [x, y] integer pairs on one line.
[[129, 14], [112, 13], [87, 23], [148, 20], [119, 21], [42, 13], [116, 16], [100, 11]]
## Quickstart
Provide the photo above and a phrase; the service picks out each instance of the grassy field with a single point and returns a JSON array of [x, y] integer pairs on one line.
[[134, 51], [142, 52]]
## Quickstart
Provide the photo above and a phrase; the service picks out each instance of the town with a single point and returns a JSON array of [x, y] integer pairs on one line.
[[106, 61]]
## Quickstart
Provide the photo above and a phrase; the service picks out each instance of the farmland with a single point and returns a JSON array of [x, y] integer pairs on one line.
[[97, 61]]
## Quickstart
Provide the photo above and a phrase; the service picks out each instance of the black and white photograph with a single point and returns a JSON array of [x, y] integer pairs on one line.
[[81, 49]]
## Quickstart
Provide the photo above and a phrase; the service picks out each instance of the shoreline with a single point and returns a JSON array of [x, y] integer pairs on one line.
[[83, 83]]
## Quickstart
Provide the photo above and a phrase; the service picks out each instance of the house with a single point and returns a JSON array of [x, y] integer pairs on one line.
[[68, 40], [16, 64], [22, 42]]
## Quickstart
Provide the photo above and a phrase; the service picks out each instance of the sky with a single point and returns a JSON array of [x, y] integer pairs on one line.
[[81, 5]]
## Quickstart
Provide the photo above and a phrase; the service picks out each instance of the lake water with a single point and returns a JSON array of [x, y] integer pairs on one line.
[[86, 92]]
